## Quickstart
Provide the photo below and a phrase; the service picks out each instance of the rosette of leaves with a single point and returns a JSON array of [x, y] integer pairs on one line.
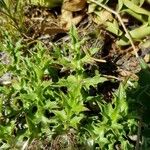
[[111, 130], [40, 102]]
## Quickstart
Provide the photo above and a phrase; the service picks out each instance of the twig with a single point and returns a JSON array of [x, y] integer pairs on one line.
[[98, 60], [119, 18], [25, 145], [112, 77]]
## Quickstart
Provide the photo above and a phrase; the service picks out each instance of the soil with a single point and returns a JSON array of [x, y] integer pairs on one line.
[[38, 20]]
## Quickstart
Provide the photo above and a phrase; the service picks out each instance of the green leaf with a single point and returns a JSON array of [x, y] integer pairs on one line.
[[61, 115], [137, 34], [93, 81], [123, 41], [32, 127], [143, 65], [77, 108], [120, 5], [138, 2], [113, 27], [141, 2], [92, 8], [140, 17], [7, 130], [3, 4], [120, 100], [73, 35], [76, 120], [50, 105], [135, 8]]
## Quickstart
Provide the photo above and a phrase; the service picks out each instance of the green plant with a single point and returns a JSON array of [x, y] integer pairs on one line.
[[48, 93], [133, 8], [12, 16], [139, 100], [36, 90], [114, 124]]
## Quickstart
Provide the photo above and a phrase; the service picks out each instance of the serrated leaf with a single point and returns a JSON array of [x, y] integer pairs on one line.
[[50, 105], [31, 127], [93, 81], [73, 35], [75, 121], [61, 115]]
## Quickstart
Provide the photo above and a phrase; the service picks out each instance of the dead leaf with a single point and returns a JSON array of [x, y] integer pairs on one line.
[[102, 16], [147, 58], [125, 73], [74, 5], [67, 19], [51, 29], [69, 7]]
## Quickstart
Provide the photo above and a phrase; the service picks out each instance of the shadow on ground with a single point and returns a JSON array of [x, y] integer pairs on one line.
[[139, 105]]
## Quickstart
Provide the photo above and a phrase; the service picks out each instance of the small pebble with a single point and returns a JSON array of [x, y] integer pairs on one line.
[[6, 79]]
